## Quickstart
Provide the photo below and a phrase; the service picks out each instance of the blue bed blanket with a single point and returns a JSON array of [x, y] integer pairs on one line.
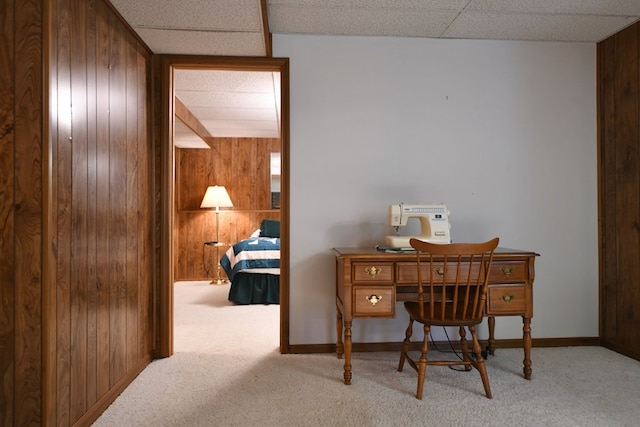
[[253, 255]]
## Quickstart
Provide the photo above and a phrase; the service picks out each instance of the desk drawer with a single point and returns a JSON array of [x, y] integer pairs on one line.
[[380, 272], [506, 299], [407, 272], [374, 301], [508, 272]]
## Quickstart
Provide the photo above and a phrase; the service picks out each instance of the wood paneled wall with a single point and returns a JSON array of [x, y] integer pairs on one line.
[[242, 165], [77, 210], [619, 190], [21, 212]]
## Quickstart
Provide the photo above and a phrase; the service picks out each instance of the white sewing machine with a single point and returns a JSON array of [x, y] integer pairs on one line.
[[434, 223]]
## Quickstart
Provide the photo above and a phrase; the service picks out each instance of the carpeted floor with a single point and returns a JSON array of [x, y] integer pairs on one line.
[[227, 371]]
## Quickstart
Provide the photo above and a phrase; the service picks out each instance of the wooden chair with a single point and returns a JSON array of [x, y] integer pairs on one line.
[[452, 290]]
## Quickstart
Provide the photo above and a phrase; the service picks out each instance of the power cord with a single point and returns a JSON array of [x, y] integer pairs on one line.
[[453, 350]]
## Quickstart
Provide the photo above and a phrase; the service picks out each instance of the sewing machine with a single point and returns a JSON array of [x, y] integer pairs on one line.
[[434, 223]]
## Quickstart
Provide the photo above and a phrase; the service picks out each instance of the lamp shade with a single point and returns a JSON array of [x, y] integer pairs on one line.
[[216, 196]]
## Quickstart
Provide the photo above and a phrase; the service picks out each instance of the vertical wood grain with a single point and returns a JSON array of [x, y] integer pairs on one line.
[[62, 204], [117, 203], [619, 183], [144, 211], [62, 156], [28, 212], [79, 224], [77, 187], [103, 282], [7, 248], [242, 165], [627, 185], [607, 186], [132, 201], [92, 220]]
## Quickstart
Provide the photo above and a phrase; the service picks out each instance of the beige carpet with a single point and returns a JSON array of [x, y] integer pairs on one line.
[[227, 372]]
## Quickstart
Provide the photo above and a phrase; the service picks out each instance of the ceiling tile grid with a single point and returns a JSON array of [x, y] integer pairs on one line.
[[244, 106]]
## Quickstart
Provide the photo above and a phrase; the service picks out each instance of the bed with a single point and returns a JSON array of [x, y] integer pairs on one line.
[[253, 267]]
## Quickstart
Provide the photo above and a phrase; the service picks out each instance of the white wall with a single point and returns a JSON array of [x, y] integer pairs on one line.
[[502, 132]]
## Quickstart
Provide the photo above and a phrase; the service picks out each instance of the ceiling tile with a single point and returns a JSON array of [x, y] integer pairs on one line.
[[226, 99], [210, 15], [203, 43], [206, 113], [363, 22], [225, 81], [513, 26], [573, 7], [220, 125], [373, 4]]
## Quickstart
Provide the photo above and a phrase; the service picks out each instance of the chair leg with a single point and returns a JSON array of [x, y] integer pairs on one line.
[[422, 364], [405, 345], [464, 348], [479, 362]]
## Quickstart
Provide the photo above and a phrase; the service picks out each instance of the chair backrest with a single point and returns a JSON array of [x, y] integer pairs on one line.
[[452, 280]]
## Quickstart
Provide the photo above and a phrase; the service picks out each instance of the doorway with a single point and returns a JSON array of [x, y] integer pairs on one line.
[[166, 68]]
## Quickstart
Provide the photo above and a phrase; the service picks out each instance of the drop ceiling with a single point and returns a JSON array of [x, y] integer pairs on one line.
[[241, 28]]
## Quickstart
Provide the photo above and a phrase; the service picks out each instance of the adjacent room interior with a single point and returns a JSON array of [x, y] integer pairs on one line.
[[227, 139]]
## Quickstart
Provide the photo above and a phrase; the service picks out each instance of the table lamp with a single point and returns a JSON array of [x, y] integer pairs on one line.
[[217, 197]]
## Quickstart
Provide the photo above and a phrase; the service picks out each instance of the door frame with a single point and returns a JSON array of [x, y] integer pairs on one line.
[[165, 198]]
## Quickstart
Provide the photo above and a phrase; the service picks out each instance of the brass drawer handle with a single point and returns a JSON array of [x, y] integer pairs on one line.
[[373, 299], [373, 271], [440, 271], [506, 270], [507, 298]]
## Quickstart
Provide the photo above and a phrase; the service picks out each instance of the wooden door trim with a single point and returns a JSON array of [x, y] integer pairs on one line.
[[163, 71]]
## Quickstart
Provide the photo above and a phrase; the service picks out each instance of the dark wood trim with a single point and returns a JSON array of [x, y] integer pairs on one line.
[[164, 128], [107, 399], [266, 32], [395, 346]]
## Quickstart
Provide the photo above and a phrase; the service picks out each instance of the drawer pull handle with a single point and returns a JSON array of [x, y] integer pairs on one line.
[[374, 299], [373, 271], [507, 298], [506, 270], [440, 271]]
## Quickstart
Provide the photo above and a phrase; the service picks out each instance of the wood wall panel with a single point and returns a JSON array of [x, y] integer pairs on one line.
[[242, 165], [79, 221], [91, 31], [27, 214], [76, 198], [62, 152], [7, 226], [619, 190], [102, 199]]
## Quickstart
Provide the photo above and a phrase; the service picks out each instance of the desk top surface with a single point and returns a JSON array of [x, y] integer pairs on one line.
[[368, 252]]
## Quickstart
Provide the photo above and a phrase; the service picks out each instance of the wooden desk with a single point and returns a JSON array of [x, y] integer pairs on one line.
[[389, 277]]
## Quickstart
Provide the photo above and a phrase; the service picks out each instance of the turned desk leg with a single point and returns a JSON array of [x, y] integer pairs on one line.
[[339, 347], [492, 328], [526, 340], [347, 352]]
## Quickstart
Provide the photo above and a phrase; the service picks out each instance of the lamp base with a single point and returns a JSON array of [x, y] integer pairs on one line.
[[220, 282]]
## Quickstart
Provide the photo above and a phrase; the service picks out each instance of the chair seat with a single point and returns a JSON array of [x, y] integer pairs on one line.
[[413, 308]]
